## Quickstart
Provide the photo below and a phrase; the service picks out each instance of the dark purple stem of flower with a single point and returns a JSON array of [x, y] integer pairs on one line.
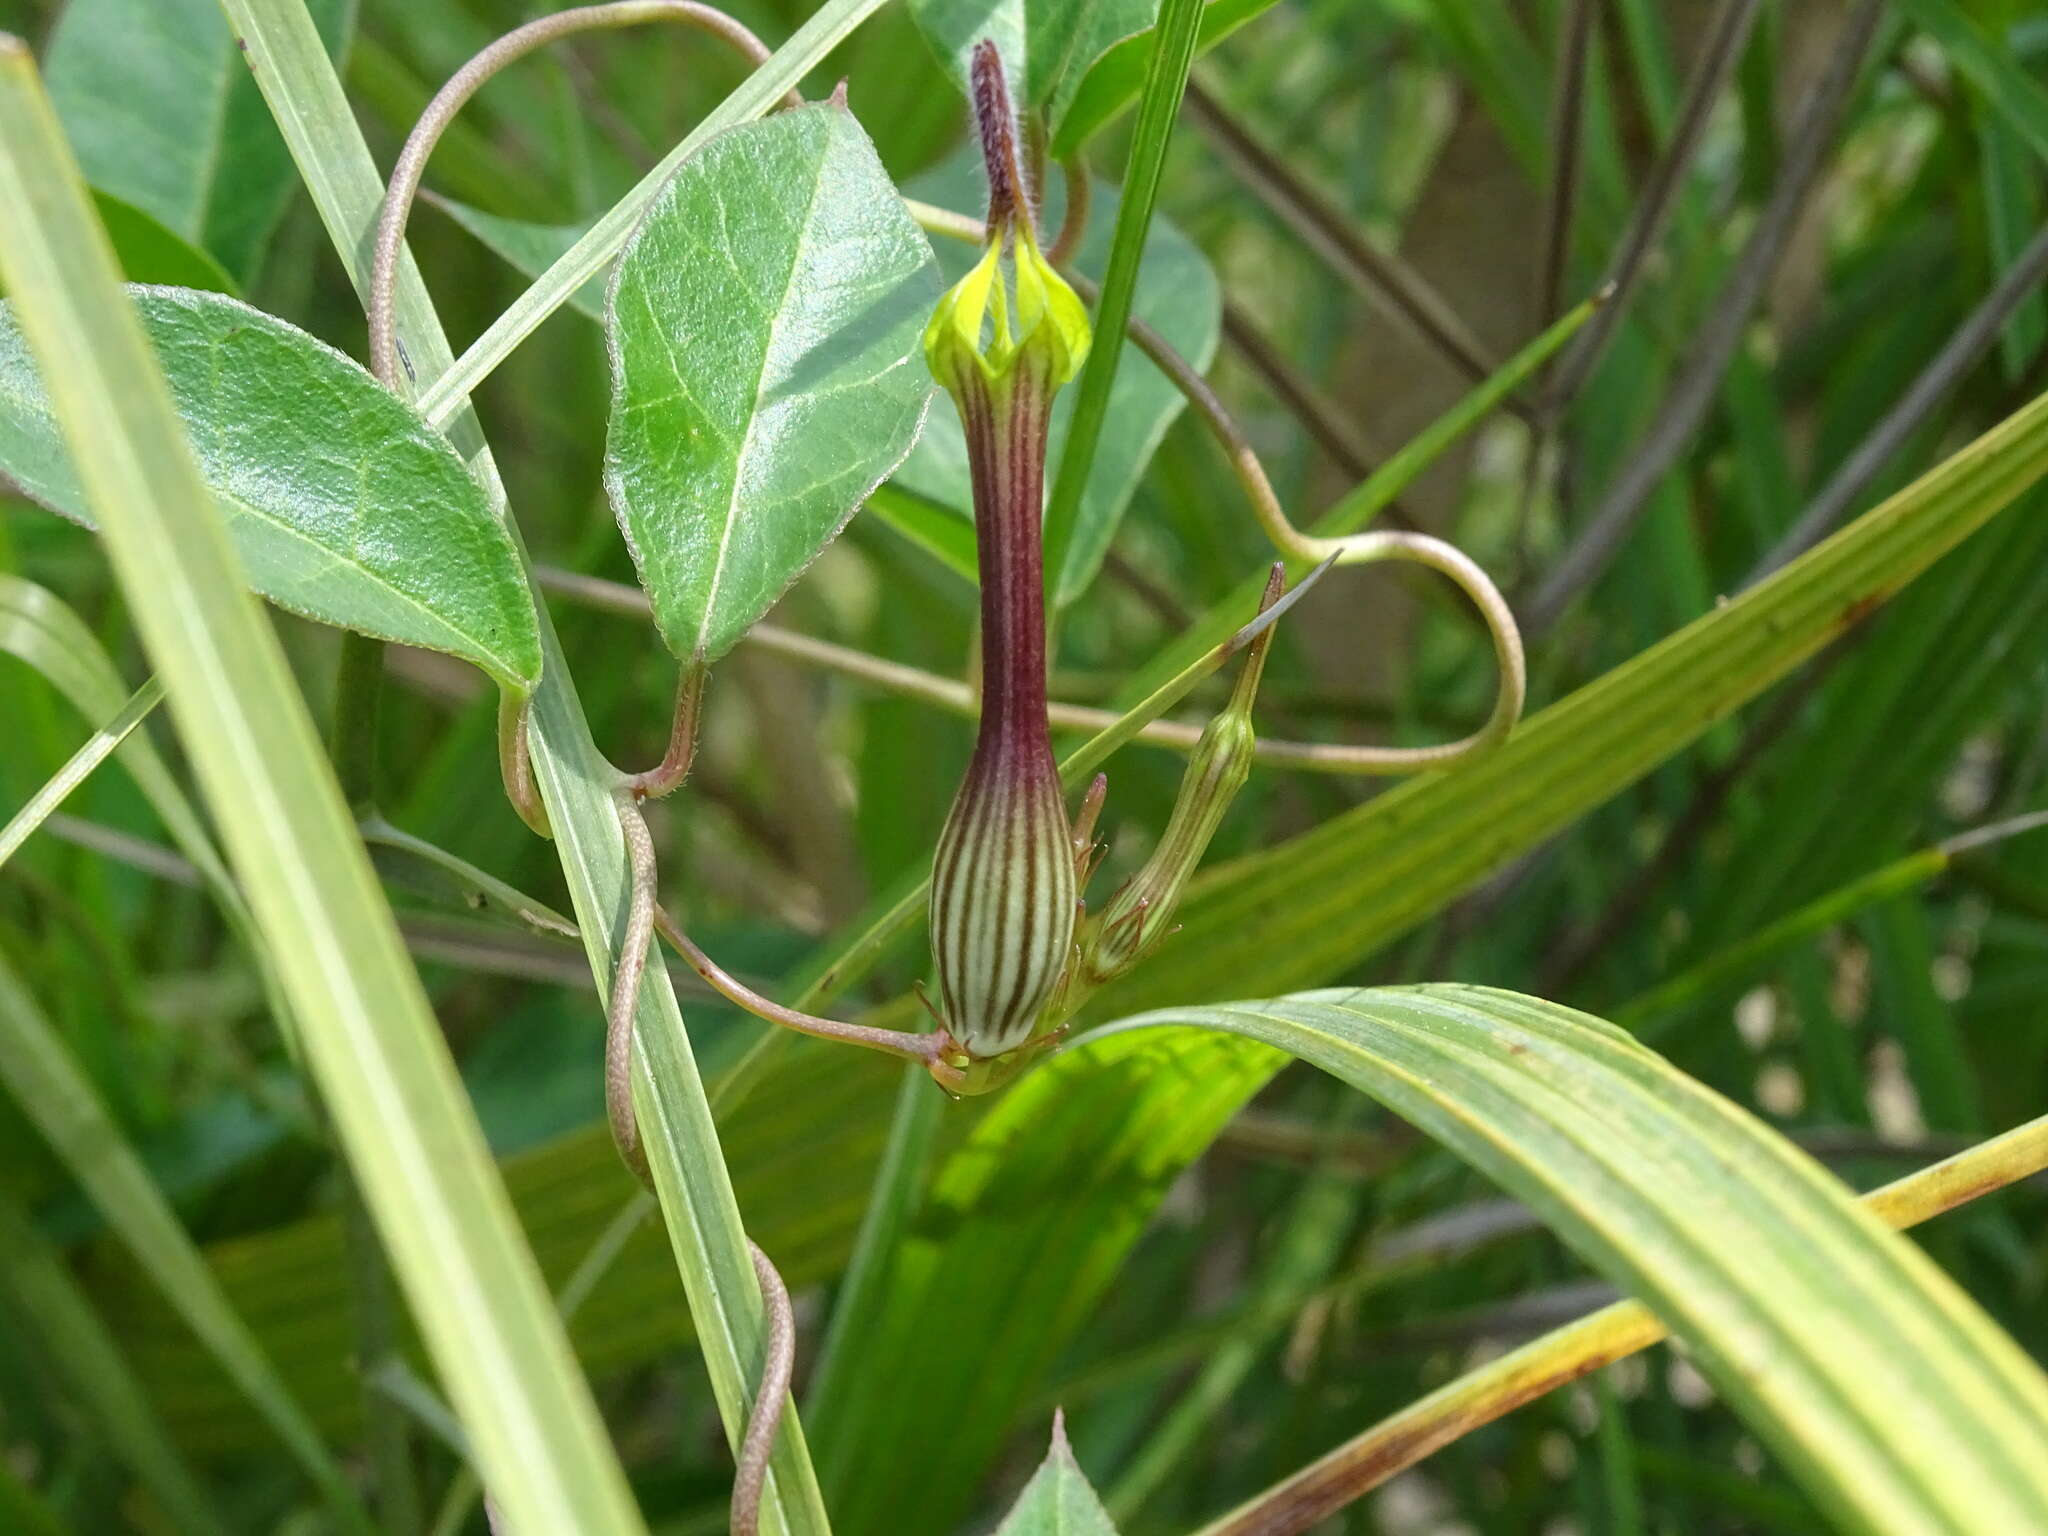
[[1006, 454], [1007, 195]]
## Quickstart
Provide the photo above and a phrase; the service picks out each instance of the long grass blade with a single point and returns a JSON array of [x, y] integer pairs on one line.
[[1898, 1402], [372, 1042], [1292, 914], [79, 767], [574, 778], [1173, 53], [1576, 1350]]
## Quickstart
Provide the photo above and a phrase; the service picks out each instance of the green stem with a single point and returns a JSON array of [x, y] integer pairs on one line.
[[573, 777]]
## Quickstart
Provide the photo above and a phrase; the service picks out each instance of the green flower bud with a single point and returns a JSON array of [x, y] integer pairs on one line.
[[1037, 325], [1140, 914]]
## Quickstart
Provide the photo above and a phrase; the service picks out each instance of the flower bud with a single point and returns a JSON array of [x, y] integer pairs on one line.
[[1038, 328], [1003, 881], [1140, 914]]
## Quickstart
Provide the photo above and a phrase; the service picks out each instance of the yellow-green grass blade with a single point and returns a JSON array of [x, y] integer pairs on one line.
[[1886, 1390], [1507, 1382], [576, 782], [79, 767], [367, 1031], [52, 1092]]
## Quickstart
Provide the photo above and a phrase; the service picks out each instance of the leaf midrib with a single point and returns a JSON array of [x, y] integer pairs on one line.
[[31, 408], [796, 260]]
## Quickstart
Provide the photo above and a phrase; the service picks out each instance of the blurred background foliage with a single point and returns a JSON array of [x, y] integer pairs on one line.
[[1333, 1266]]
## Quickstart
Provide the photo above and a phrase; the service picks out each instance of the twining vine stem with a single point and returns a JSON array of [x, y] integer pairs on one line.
[[387, 361], [778, 1367], [362, 671], [949, 693]]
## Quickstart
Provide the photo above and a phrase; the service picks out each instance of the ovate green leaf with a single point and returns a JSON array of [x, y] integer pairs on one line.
[[162, 113], [1058, 1501], [766, 366], [343, 505]]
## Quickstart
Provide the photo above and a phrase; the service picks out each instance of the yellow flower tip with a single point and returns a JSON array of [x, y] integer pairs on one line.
[[1043, 326]]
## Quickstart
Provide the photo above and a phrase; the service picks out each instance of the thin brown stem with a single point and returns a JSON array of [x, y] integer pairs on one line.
[[1653, 210], [625, 992], [922, 1049], [951, 694], [515, 763], [1958, 355], [1074, 220], [1358, 549], [667, 776], [778, 1368], [385, 359], [1698, 381], [1316, 412], [1567, 133], [1379, 274]]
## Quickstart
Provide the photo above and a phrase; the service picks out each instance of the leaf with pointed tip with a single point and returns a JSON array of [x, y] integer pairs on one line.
[[1097, 94], [767, 372], [1045, 44], [1059, 1500], [343, 505]]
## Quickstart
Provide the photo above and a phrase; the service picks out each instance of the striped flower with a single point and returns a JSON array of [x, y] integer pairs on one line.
[[1003, 901]]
